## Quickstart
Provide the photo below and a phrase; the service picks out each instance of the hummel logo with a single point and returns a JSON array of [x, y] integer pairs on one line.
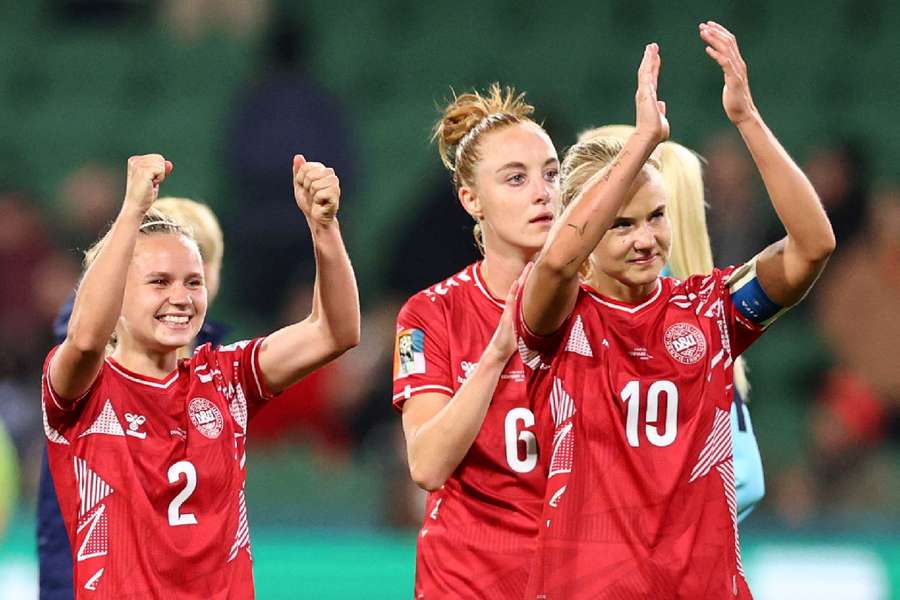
[[134, 425]]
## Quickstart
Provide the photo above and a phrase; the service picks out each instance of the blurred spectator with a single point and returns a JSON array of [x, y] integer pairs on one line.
[[305, 412], [839, 172], [736, 212], [285, 112], [89, 199], [851, 465], [191, 20]]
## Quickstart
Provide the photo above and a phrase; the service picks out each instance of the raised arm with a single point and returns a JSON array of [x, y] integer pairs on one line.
[[332, 327], [788, 268], [440, 429], [551, 290], [98, 302]]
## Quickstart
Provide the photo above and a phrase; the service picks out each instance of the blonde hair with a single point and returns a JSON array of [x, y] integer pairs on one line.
[[200, 220], [154, 221], [463, 122], [691, 251]]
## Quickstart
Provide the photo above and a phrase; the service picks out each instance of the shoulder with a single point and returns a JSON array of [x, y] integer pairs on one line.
[[443, 296]]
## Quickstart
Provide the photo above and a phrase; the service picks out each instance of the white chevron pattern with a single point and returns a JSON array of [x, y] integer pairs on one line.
[[726, 470], [578, 342], [242, 535], [91, 488], [562, 406], [717, 447], [107, 422]]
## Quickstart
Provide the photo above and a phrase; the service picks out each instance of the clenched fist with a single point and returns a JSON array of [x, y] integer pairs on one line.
[[317, 190], [145, 173]]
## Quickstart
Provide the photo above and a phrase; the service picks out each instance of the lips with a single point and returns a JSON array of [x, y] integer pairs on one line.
[[644, 260], [542, 218], [174, 321]]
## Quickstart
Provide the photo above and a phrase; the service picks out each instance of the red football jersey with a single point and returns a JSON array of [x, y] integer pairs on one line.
[[640, 499], [150, 477], [480, 527]]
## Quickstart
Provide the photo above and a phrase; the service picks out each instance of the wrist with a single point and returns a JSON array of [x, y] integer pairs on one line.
[[494, 357], [131, 213], [750, 119]]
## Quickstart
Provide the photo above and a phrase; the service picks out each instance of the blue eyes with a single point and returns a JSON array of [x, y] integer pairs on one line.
[[519, 178]]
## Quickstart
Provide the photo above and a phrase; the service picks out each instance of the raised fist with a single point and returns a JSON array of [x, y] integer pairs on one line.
[[145, 173], [317, 190]]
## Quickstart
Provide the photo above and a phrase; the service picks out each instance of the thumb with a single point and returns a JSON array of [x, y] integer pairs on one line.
[[169, 167], [299, 161]]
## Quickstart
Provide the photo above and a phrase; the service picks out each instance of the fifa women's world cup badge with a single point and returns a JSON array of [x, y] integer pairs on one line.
[[685, 343], [206, 417], [409, 356]]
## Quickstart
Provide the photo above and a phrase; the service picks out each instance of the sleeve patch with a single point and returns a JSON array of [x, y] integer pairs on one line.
[[409, 353]]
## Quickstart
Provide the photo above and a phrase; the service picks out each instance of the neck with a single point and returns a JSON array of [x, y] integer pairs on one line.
[[499, 270], [615, 289], [142, 360]]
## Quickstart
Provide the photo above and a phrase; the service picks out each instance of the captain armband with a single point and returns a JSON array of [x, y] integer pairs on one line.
[[750, 299]]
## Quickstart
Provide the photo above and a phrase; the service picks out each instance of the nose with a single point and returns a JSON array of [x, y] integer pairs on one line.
[[644, 238], [543, 192], [180, 295]]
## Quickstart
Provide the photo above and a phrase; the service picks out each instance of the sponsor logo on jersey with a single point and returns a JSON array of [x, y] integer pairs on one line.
[[467, 368], [409, 354], [641, 353], [206, 417], [685, 342], [135, 422]]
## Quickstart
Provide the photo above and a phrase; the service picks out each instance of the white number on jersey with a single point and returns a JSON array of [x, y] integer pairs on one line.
[[631, 394], [187, 469], [514, 435]]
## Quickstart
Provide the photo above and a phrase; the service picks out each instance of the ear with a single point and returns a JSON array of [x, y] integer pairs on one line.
[[470, 201]]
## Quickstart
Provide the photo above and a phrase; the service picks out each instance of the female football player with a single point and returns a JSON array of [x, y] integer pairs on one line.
[[458, 381], [691, 254], [54, 552], [640, 500], [147, 451]]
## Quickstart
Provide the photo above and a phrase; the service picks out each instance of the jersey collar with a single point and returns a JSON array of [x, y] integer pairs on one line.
[[631, 309], [162, 384]]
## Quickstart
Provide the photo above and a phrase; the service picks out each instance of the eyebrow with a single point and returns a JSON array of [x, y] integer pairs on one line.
[[163, 274], [519, 165]]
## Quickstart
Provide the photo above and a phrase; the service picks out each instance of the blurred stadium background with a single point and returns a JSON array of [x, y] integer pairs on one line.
[[229, 90]]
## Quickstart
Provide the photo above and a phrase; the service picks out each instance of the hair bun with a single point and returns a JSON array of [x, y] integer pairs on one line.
[[465, 112]]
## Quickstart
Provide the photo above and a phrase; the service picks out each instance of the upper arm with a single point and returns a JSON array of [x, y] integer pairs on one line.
[[295, 351], [72, 372], [785, 273], [547, 299], [420, 409]]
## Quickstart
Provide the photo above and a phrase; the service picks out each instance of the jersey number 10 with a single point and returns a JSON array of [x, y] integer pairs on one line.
[[631, 394]]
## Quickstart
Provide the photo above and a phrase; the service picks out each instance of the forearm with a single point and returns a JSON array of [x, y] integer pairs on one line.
[[436, 448], [809, 232], [553, 285], [98, 302], [335, 298]]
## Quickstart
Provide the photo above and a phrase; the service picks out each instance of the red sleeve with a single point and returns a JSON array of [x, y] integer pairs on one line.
[[421, 351], [58, 412], [239, 365], [536, 349]]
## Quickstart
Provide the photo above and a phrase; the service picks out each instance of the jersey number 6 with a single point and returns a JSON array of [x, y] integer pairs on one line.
[[514, 434], [631, 394], [186, 468]]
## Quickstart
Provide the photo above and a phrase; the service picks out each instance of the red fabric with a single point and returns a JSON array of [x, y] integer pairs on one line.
[[124, 460], [635, 436], [479, 528]]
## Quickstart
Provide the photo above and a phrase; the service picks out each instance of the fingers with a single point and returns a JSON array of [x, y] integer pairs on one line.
[[722, 41], [648, 71], [299, 161]]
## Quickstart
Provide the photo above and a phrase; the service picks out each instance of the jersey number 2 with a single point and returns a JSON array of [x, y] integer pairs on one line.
[[631, 394], [513, 434], [186, 468]]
